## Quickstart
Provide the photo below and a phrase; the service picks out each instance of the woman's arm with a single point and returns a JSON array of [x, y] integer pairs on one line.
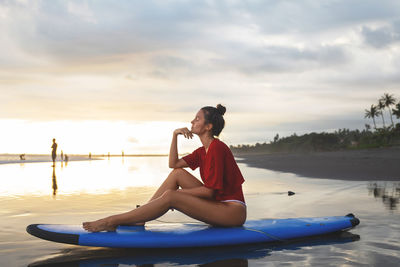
[[174, 161]]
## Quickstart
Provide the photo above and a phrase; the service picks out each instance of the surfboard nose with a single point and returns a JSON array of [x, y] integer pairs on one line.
[[36, 230], [354, 221]]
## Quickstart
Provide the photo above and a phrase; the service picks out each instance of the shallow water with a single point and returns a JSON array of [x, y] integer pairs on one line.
[[88, 190]]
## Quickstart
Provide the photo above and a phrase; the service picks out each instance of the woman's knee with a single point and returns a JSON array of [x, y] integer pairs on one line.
[[178, 172], [168, 196]]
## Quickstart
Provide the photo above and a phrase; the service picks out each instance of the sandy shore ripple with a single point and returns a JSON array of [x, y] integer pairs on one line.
[[357, 165]]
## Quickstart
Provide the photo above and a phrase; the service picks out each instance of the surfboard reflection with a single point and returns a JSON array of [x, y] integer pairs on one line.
[[210, 256]]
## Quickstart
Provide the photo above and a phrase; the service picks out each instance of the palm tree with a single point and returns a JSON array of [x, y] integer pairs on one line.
[[381, 107], [397, 110], [372, 113], [388, 100]]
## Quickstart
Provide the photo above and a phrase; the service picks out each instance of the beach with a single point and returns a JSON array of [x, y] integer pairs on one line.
[[354, 165], [32, 158], [88, 190]]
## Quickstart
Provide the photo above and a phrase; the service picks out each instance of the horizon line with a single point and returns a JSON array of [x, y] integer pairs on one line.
[[94, 155]]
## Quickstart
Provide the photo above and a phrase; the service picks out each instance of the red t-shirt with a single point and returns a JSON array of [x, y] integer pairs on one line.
[[218, 170]]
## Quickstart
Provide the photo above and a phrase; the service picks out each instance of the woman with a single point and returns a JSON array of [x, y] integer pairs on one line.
[[217, 201]]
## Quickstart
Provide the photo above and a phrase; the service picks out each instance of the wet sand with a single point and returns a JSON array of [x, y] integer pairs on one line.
[[29, 158], [355, 165], [89, 190]]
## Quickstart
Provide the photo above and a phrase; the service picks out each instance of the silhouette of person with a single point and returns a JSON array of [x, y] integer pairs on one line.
[[54, 151], [62, 155]]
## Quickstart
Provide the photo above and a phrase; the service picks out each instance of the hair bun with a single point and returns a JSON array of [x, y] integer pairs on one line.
[[221, 109]]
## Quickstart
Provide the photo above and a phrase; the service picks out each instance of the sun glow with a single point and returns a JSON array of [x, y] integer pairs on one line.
[[96, 137]]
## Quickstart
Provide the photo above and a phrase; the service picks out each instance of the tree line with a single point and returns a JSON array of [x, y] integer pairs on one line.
[[386, 101], [340, 139]]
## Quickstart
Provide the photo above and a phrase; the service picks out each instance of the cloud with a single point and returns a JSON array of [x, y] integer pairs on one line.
[[382, 36], [75, 31], [81, 10], [270, 62], [64, 33], [308, 16], [283, 59]]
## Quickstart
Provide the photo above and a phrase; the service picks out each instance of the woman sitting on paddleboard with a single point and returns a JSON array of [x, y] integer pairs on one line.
[[218, 200]]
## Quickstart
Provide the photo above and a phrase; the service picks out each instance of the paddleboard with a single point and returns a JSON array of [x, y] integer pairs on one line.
[[176, 235], [206, 256]]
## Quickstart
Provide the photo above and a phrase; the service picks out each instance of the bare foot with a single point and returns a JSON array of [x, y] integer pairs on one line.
[[98, 226]]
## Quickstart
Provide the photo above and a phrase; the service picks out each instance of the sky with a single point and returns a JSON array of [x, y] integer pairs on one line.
[[106, 76]]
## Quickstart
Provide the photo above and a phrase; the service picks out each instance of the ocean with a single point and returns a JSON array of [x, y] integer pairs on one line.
[[88, 190]]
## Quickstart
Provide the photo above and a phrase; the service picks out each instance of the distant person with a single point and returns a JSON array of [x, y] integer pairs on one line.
[[54, 151], [22, 157], [90, 155], [216, 200], [62, 155]]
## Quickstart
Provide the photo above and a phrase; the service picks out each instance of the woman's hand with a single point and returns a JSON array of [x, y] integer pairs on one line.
[[185, 132], [174, 161]]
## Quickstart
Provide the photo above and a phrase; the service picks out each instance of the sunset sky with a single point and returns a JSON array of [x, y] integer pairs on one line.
[[106, 76]]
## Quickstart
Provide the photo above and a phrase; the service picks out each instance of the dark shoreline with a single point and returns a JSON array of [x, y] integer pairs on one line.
[[379, 164]]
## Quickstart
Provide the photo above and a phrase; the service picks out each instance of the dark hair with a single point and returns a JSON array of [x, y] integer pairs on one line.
[[215, 117]]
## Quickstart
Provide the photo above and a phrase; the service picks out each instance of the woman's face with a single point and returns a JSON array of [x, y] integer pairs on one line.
[[199, 125]]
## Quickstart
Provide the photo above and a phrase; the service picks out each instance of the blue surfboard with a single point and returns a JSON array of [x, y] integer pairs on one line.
[[206, 256], [176, 235]]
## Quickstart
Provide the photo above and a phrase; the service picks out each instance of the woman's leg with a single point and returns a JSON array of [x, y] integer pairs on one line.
[[208, 211], [177, 178]]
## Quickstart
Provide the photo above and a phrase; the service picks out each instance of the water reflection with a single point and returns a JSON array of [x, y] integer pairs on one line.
[[389, 193], [79, 177], [54, 182], [209, 256]]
